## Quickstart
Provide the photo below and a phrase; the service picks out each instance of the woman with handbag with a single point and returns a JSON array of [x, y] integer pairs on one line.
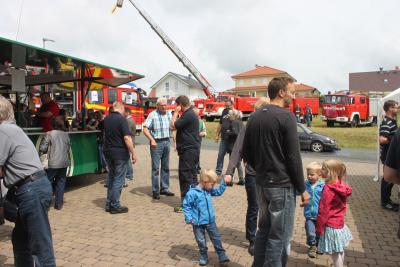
[[57, 144]]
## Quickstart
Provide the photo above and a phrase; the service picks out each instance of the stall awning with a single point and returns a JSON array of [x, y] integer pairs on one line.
[[44, 67]]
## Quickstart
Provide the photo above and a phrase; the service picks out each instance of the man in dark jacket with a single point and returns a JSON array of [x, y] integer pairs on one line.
[[271, 146], [187, 144]]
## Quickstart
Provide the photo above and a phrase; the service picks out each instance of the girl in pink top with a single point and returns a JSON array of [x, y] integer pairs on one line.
[[334, 234]]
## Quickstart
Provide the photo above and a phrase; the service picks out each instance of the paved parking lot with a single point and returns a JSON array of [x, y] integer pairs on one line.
[[151, 234]]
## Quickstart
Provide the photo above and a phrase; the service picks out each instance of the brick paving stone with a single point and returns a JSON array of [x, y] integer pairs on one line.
[[151, 234]]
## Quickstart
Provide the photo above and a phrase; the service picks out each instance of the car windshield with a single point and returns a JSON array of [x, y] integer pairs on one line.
[[302, 128], [336, 99]]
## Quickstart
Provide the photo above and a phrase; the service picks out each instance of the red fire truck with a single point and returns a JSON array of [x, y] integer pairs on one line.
[[300, 103], [100, 97], [349, 108], [213, 109]]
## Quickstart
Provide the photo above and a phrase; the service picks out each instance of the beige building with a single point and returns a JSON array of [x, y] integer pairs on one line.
[[254, 82]]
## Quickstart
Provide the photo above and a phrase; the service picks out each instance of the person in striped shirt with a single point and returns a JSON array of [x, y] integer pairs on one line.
[[157, 129], [386, 131]]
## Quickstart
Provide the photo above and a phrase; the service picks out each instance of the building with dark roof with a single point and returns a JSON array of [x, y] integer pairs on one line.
[[380, 81]]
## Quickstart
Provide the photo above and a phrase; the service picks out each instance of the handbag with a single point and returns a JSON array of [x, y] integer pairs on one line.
[[10, 207]]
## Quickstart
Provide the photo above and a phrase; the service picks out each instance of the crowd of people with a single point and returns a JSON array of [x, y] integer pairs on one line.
[[273, 176]]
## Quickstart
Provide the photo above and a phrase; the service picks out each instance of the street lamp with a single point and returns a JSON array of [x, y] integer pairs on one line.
[[47, 40]]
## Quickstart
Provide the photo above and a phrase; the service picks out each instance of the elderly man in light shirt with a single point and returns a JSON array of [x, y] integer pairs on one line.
[[157, 130]]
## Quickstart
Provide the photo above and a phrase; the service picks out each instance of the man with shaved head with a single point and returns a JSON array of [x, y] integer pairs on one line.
[[118, 147]]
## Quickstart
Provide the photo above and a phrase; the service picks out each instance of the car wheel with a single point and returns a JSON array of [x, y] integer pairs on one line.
[[317, 146]]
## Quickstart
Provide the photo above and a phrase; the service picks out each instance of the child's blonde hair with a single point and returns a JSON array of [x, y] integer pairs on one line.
[[208, 176], [314, 166], [334, 169]]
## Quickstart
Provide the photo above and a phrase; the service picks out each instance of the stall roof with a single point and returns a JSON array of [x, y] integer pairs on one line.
[[43, 66]]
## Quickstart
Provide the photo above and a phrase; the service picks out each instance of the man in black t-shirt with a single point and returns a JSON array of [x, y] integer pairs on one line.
[[117, 146], [271, 146], [187, 144], [386, 131]]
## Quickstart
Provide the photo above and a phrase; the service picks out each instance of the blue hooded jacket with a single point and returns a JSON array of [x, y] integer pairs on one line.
[[197, 205], [311, 210]]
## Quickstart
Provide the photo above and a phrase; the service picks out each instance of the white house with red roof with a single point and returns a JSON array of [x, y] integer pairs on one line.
[[172, 85]]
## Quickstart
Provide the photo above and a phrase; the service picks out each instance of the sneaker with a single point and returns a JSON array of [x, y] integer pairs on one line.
[[121, 209], [167, 193], [393, 204], [241, 182], [312, 252], [107, 209], [319, 252], [156, 196], [390, 207], [250, 249], [203, 262], [224, 261], [178, 210], [229, 184]]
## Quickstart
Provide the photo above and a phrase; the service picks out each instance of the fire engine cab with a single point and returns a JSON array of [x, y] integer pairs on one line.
[[353, 109]]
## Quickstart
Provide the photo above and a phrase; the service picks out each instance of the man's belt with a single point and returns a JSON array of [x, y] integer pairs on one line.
[[30, 178], [162, 139]]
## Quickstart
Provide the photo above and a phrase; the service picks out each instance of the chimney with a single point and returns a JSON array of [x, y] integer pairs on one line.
[[256, 66], [397, 68], [380, 69]]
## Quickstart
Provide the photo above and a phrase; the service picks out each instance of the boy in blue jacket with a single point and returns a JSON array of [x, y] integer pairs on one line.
[[314, 186], [198, 210]]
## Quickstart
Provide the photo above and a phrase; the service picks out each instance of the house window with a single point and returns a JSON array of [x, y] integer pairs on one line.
[[176, 86], [241, 82], [265, 81], [253, 94], [254, 81], [112, 96], [167, 87], [96, 96]]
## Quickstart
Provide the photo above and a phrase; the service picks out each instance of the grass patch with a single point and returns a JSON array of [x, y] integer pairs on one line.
[[360, 137]]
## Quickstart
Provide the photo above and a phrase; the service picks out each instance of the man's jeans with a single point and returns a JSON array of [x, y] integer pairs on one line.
[[129, 169], [223, 145], [102, 158], [312, 239], [31, 237], [188, 161], [57, 178], [275, 226], [160, 155], [252, 208], [115, 181], [200, 236]]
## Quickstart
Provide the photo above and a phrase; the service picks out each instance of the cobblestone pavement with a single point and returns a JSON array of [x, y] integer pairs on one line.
[[151, 234]]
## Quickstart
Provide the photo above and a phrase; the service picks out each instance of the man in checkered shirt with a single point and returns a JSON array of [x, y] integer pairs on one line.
[[157, 130]]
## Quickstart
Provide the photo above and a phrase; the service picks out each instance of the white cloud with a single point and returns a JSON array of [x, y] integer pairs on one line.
[[317, 41]]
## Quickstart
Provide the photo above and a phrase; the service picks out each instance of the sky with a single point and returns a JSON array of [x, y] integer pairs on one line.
[[318, 42]]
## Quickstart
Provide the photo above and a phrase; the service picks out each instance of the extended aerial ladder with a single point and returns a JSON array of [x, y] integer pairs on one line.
[[207, 87]]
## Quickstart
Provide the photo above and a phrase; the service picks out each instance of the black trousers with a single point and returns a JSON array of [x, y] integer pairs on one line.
[[188, 162]]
